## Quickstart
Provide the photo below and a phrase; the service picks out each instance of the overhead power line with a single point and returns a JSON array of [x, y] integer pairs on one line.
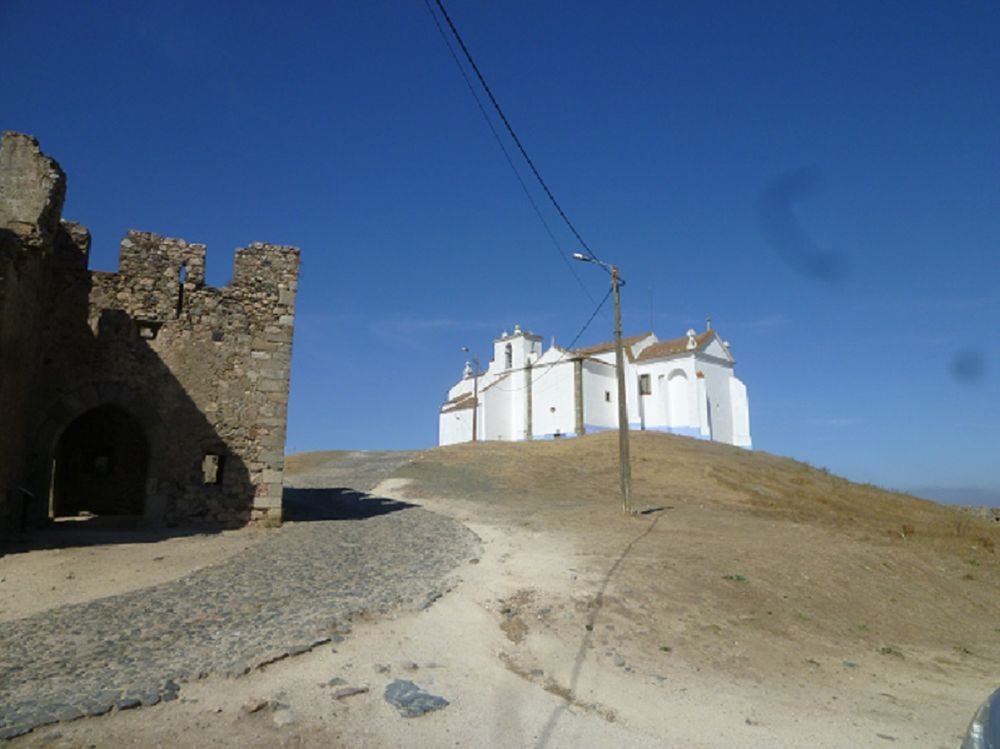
[[510, 162], [510, 130]]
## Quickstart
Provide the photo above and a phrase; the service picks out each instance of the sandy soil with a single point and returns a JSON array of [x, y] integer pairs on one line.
[[753, 604]]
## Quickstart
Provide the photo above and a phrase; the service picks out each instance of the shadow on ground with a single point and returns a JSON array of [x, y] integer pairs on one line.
[[336, 503], [98, 531]]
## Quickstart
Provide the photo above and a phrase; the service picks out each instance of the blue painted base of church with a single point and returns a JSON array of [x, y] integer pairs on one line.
[[594, 429]]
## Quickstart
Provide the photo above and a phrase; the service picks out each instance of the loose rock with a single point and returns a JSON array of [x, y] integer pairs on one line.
[[254, 704], [410, 700], [349, 692]]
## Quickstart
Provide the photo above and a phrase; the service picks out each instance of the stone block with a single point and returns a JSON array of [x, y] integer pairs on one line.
[[269, 501], [267, 385]]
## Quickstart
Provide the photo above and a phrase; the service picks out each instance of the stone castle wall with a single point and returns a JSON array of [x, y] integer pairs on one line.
[[203, 371]]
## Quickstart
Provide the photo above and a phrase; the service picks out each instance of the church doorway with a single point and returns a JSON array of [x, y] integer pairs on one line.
[[101, 464]]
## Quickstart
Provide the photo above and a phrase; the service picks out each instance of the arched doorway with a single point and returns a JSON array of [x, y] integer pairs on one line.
[[101, 464]]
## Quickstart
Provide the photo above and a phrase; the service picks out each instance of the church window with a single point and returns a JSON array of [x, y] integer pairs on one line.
[[607, 396], [508, 356], [645, 386]]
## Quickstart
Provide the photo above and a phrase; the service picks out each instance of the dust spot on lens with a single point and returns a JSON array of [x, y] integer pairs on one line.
[[782, 230], [968, 367]]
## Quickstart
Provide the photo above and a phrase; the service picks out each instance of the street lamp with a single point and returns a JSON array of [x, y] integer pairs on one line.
[[475, 390], [624, 463]]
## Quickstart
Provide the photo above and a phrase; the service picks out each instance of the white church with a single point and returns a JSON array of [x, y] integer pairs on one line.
[[685, 386]]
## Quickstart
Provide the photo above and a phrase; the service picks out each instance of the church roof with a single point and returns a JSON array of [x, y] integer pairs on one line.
[[459, 403], [603, 348], [675, 346]]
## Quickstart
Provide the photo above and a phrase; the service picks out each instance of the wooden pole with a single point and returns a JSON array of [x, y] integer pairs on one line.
[[623, 455], [475, 397]]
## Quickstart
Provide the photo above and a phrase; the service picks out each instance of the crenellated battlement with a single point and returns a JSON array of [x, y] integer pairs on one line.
[[159, 277], [144, 254]]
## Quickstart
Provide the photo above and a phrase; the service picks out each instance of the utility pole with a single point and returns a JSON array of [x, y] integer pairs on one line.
[[624, 462], [475, 392]]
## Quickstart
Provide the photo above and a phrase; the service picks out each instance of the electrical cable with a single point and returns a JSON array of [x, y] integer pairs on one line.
[[510, 130], [510, 162]]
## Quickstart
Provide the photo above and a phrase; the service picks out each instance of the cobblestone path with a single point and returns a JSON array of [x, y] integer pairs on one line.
[[280, 597]]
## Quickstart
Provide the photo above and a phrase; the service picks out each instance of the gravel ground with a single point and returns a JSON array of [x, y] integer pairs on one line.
[[346, 553]]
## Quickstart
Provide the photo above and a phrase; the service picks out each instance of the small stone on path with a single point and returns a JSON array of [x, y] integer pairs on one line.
[[349, 692], [254, 704]]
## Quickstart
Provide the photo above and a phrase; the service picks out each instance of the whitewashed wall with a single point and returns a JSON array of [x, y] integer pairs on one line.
[[741, 412], [717, 378], [673, 404], [553, 401], [497, 408], [455, 426], [599, 413]]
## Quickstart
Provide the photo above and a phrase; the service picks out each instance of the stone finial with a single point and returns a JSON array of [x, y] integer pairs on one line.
[[692, 343], [517, 329], [32, 190], [467, 372]]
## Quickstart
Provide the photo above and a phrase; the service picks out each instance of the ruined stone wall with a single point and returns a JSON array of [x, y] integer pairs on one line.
[[32, 188], [203, 370]]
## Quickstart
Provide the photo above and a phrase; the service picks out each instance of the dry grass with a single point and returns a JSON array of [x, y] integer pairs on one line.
[[300, 463], [668, 470], [743, 547]]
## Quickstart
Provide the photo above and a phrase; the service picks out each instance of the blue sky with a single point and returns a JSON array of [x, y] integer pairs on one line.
[[822, 178]]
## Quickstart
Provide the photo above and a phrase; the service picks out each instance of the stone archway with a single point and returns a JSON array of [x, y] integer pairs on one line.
[[101, 465]]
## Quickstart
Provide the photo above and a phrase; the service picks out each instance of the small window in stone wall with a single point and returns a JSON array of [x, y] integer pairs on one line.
[[148, 329], [607, 396], [181, 280], [645, 386], [211, 467]]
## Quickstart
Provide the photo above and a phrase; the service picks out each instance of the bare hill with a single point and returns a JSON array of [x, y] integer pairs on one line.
[[755, 566], [583, 473]]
